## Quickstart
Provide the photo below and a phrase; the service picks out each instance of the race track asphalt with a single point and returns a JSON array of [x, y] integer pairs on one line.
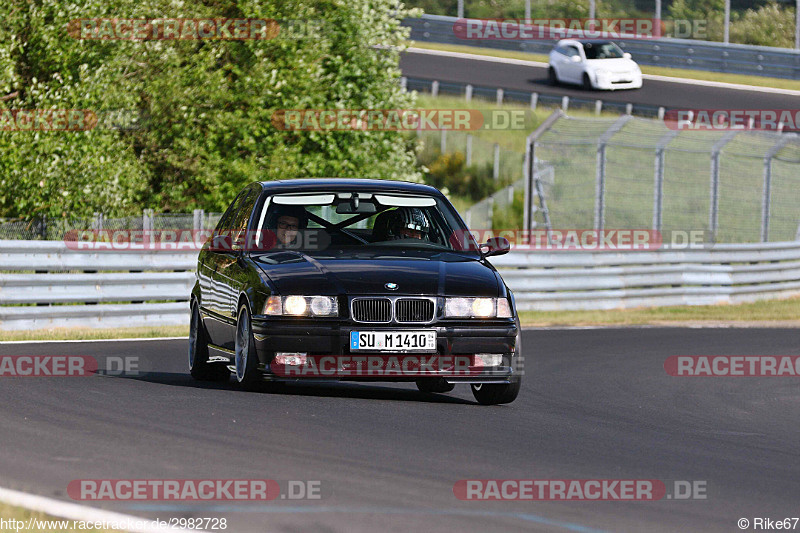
[[595, 404], [657, 93]]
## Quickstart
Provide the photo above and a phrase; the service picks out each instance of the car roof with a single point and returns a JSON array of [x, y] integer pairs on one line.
[[347, 184], [584, 41]]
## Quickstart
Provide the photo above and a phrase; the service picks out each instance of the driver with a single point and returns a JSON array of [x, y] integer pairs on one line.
[[286, 221], [408, 223]]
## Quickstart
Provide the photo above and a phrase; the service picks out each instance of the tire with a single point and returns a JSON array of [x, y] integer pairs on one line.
[[496, 393], [199, 367], [587, 82], [552, 77], [434, 385], [246, 358]]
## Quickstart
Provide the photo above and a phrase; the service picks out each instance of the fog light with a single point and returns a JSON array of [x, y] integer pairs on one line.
[[488, 359], [290, 358]]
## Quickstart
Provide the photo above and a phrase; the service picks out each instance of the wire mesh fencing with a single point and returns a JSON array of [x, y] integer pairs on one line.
[[737, 186], [43, 228]]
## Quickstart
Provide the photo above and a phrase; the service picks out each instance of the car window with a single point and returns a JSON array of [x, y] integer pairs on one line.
[[571, 51], [225, 220], [376, 219], [238, 223], [602, 51]]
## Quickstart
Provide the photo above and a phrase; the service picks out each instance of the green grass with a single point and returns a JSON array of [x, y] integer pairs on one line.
[[87, 334], [783, 312], [12, 512], [743, 79]]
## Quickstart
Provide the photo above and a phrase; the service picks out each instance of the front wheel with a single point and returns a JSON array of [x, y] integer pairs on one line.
[[246, 359], [496, 393], [199, 367], [551, 76], [587, 82]]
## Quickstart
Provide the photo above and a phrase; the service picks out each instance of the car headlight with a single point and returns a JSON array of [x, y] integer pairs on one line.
[[477, 308], [301, 306]]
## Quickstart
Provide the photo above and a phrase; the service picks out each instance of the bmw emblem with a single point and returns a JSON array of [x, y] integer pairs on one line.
[[391, 286]]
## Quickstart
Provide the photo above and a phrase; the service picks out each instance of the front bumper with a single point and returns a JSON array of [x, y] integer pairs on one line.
[[605, 83], [456, 343]]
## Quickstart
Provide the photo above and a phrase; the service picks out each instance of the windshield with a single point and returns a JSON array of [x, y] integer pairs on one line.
[[602, 51], [359, 221]]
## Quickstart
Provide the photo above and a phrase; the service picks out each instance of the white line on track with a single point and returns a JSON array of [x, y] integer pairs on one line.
[[654, 77], [73, 511]]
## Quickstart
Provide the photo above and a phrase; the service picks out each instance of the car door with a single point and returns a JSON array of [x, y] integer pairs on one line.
[[216, 302], [229, 266], [572, 69]]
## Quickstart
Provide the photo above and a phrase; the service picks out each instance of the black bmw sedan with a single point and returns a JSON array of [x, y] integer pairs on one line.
[[353, 279]]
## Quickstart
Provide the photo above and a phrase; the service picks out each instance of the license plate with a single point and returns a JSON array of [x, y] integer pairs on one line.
[[404, 341]]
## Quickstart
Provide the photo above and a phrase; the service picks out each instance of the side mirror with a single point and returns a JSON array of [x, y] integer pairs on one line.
[[627, 55], [496, 246], [575, 59]]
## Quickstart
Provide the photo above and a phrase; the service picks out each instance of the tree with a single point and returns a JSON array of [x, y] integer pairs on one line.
[[207, 103]]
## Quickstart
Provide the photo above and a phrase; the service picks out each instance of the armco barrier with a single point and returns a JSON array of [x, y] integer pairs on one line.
[[724, 273], [44, 284], [676, 53]]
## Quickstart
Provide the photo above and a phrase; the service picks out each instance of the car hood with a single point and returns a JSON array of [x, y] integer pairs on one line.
[[620, 64], [415, 272]]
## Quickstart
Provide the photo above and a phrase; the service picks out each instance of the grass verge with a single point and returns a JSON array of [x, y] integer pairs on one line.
[[88, 334], [766, 313], [743, 79], [12, 512]]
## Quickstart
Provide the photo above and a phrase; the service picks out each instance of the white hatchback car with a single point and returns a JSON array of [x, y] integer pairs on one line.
[[593, 64]]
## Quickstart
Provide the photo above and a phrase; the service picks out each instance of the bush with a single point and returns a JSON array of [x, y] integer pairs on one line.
[[449, 171]]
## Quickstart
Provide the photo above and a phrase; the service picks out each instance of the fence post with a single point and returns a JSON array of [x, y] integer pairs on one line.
[[469, 149], [468, 93], [658, 185], [767, 197], [496, 165], [565, 104], [499, 97], [404, 83], [529, 172], [197, 219], [598, 106], [600, 179], [443, 141], [434, 88], [97, 221], [713, 208], [534, 101]]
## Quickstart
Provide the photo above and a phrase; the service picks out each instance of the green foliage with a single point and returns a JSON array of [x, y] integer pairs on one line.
[[449, 171], [770, 25], [511, 216], [209, 104]]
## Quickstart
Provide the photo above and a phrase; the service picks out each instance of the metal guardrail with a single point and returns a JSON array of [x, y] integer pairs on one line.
[[532, 99], [541, 280], [48, 284], [665, 52], [719, 274]]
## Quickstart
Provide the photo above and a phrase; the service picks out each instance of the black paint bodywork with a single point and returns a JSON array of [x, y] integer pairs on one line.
[[228, 279]]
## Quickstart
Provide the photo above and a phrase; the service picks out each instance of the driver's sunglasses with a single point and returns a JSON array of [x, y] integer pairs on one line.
[[284, 225]]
